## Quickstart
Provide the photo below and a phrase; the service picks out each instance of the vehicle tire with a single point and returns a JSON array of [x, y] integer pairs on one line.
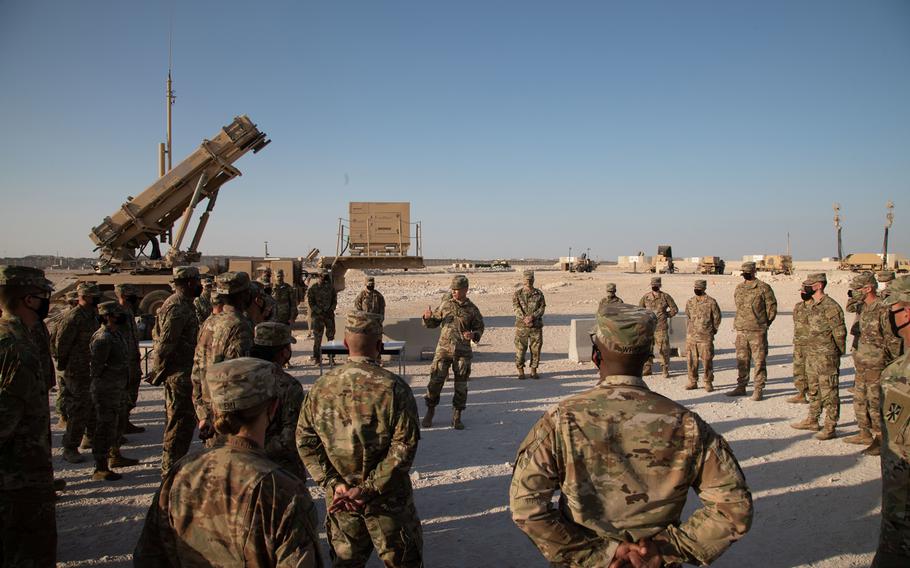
[[152, 301]]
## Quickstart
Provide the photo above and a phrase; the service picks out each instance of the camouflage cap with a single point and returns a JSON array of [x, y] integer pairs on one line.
[[24, 276], [126, 290], [863, 280], [885, 275], [208, 281], [72, 296], [899, 291], [527, 275], [814, 278], [624, 328], [459, 282], [364, 323], [701, 284], [109, 308], [748, 267], [370, 280], [656, 281], [238, 384], [185, 273], [611, 287], [232, 282], [88, 290], [273, 334]]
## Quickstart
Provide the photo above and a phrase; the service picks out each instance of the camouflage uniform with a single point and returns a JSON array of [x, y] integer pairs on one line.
[[53, 327], [756, 308], [703, 322], [223, 336], [322, 299], [800, 339], [453, 350], [130, 333], [73, 338], [231, 505], [894, 537], [359, 427], [663, 306], [528, 301], [175, 333], [371, 301], [285, 299], [109, 366], [886, 277], [623, 459], [610, 298], [203, 304], [28, 528]]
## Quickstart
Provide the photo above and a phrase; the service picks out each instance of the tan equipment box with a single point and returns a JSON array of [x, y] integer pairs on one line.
[[775, 264], [379, 228], [711, 265]]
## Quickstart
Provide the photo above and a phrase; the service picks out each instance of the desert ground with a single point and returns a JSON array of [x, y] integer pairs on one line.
[[816, 503]]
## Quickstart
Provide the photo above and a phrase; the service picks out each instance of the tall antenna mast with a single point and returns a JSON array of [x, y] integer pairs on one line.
[[840, 251], [889, 220], [165, 148]]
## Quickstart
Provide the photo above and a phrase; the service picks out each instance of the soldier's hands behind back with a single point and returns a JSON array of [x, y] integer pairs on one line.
[[427, 313]]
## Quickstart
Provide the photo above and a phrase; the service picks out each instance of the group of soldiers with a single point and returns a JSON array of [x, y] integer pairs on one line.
[[356, 431]]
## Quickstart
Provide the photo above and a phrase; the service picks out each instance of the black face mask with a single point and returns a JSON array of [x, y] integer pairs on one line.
[[371, 287], [748, 276], [133, 303], [699, 292], [44, 308], [894, 327], [655, 288], [850, 294], [805, 296], [121, 319]]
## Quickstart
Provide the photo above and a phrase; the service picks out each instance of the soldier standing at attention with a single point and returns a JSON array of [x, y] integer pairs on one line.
[[756, 308], [461, 323], [370, 299], [285, 299], [203, 304], [663, 306], [175, 332], [885, 279], [110, 368], [611, 297], [28, 527], [53, 326], [322, 299], [73, 338], [231, 505], [272, 342], [529, 305], [358, 436], [800, 339], [704, 318], [894, 537], [827, 342], [623, 459], [128, 298], [870, 358]]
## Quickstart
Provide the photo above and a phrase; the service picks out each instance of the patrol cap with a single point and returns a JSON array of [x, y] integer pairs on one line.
[[72, 296], [185, 273], [273, 334], [370, 280], [232, 282], [24, 276], [238, 384], [364, 323], [527, 275], [216, 298], [88, 290], [899, 291], [862, 280], [126, 290], [459, 282], [109, 308], [611, 287], [701, 284], [656, 281], [815, 277], [885, 275], [207, 282], [748, 267], [624, 328]]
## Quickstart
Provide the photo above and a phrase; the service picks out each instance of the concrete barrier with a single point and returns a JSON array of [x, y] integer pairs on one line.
[[580, 342]]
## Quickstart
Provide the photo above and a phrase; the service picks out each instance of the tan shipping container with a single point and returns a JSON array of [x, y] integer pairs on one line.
[[379, 228]]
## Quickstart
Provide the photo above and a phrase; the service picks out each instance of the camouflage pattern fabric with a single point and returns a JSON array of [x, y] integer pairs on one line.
[[756, 306], [894, 536], [453, 350], [280, 442], [623, 459], [224, 336], [110, 372], [53, 326], [625, 329], [528, 303], [528, 338], [610, 298], [203, 306], [751, 348], [28, 529], [130, 333], [42, 339], [370, 301], [662, 305], [800, 338], [73, 338], [870, 358], [825, 344], [322, 299], [285, 303], [359, 426], [271, 307], [704, 318], [230, 506], [175, 332]]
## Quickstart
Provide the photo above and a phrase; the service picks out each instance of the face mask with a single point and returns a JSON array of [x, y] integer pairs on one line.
[[655, 288], [44, 308], [806, 294], [699, 292], [370, 287], [133, 302], [894, 327], [120, 319], [748, 276]]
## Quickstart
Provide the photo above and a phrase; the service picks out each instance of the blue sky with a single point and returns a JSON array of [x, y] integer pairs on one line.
[[515, 129]]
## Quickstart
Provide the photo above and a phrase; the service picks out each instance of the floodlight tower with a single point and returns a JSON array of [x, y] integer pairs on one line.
[[889, 220], [840, 252]]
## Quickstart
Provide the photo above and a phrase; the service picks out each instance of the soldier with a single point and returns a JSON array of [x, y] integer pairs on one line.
[[370, 300], [869, 358], [265, 300], [28, 528], [128, 298], [110, 369], [800, 339], [885, 279], [53, 326], [322, 299], [272, 342], [894, 537], [73, 338], [611, 297], [664, 308], [175, 333], [230, 505], [256, 307], [285, 299], [703, 322], [203, 304], [529, 305], [361, 453], [461, 323], [756, 308], [225, 335], [826, 344], [623, 459]]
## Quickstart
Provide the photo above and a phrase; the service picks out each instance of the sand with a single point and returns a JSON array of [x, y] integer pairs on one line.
[[816, 503]]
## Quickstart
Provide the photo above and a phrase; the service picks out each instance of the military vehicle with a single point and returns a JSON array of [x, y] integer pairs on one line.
[[711, 265], [577, 263], [775, 264], [870, 262], [663, 262]]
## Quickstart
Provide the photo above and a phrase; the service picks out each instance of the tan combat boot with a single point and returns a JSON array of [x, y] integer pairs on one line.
[[807, 424], [103, 472], [72, 455], [456, 420], [692, 385], [709, 387], [665, 372], [827, 433], [86, 443], [534, 374], [740, 390], [521, 373], [756, 394], [798, 398], [863, 438], [427, 421], [875, 448], [116, 459]]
